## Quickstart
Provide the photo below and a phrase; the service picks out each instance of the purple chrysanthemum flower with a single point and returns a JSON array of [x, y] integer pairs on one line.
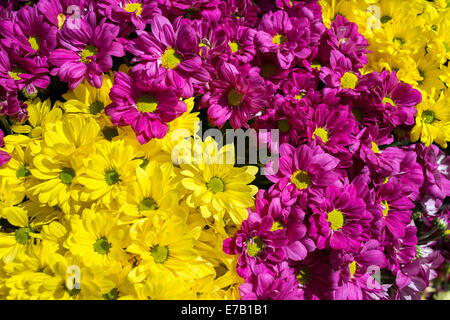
[[340, 74], [266, 286], [283, 36], [303, 168], [256, 244], [237, 95], [343, 36], [194, 9], [146, 106], [59, 12], [170, 51], [87, 52], [29, 35], [340, 220], [136, 12]]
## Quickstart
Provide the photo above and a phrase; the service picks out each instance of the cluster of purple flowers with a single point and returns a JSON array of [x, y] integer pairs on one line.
[[346, 203]]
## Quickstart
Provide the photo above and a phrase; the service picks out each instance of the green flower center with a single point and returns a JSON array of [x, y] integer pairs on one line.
[[110, 132], [400, 41], [87, 52], [170, 59], [147, 103], [67, 175], [96, 107], [358, 114], [428, 116], [301, 179], [22, 235], [303, 275], [34, 42], [22, 172], [283, 125], [336, 218], [268, 69], [255, 246], [385, 19], [279, 39], [234, 46], [148, 204], [102, 246], [134, 7], [322, 133], [159, 253], [349, 80], [112, 177], [112, 295], [234, 98], [216, 185]]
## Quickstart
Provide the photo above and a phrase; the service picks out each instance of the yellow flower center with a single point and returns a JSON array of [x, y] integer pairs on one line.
[[316, 65], [234, 46], [87, 52], [277, 225], [170, 59], [375, 148], [255, 246], [148, 204], [216, 185], [300, 96], [428, 116], [159, 253], [234, 98], [352, 268], [34, 42], [14, 73], [147, 103], [102, 246], [349, 80], [385, 207], [388, 100], [134, 7], [322, 133], [303, 275], [301, 179], [336, 218], [61, 20], [283, 125], [279, 39]]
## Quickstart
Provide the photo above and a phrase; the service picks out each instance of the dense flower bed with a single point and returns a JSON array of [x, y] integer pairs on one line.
[[105, 108]]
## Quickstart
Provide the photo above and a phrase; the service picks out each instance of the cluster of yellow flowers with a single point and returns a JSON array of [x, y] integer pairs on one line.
[[86, 212], [411, 37]]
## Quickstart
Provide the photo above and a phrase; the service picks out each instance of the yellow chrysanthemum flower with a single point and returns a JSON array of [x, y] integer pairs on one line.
[[164, 245], [216, 185], [16, 237], [97, 239], [40, 113], [108, 171], [153, 192], [432, 121]]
